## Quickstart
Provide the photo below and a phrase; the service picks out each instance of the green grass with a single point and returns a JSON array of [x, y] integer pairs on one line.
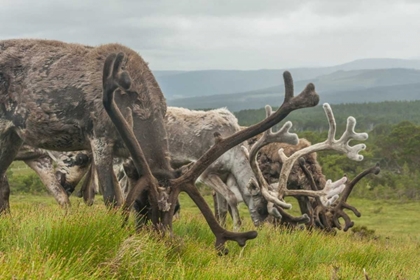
[[20, 168], [390, 218], [41, 241]]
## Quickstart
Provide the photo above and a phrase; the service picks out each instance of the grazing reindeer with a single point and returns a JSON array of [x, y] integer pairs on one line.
[[60, 172], [270, 164], [50, 97], [325, 196], [190, 136]]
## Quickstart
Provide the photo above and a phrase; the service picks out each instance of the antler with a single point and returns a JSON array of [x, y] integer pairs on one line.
[[284, 136], [338, 208], [275, 206], [332, 189], [317, 215], [327, 217]]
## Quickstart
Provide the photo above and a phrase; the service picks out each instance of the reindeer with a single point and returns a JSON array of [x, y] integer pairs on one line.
[[51, 98], [270, 164], [325, 208]]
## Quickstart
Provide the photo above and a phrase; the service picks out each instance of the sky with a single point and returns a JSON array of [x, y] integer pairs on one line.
[[223, 34]]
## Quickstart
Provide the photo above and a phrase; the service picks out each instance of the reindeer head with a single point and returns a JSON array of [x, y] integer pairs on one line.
[[140, 98]]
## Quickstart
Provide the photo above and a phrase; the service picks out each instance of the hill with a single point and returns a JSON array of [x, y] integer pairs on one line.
[[186, 84]]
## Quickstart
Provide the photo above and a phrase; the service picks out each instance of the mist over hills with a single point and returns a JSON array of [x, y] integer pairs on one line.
[[365, 80]]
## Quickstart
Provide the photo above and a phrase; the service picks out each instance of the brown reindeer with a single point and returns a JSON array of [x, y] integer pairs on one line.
[[51, 98], [53, 95], [286, 165]]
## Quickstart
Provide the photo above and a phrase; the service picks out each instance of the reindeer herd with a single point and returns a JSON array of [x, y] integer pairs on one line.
[[71, 111]]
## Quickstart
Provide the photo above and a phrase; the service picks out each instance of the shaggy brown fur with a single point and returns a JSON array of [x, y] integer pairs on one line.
[[51, 98], [270, 164]]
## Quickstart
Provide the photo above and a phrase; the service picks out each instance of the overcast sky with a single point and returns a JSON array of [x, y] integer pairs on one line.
[[240, 34]]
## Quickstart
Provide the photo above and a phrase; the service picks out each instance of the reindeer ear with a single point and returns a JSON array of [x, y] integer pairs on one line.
[[124, 80]]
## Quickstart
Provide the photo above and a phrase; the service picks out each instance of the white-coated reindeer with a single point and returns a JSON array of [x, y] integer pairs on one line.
[[190, 136]]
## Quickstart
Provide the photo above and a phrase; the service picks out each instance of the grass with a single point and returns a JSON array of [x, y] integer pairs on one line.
[[20, 168], [41, 241]]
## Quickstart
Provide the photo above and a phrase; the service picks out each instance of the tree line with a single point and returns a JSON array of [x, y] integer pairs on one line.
[[368, 115]]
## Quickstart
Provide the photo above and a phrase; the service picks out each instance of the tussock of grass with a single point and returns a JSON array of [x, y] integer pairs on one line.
[[40, 241]]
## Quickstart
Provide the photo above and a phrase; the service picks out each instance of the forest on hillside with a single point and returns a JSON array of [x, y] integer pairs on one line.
[[394, 143], [368, 115]]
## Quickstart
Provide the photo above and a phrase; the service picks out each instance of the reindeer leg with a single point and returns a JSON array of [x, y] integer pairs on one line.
[[89, 185], [221, 234], [43, 166], [216, 206], [222, 209], [102, 152], [217, 184], [10, 144]]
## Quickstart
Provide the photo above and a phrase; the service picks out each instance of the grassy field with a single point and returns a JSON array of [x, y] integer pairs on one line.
[[41, 241]]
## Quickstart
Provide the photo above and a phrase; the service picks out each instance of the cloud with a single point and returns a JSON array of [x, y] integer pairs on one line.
[[244, 34]]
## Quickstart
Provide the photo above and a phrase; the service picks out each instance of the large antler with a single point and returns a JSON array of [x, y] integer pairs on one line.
[[283, 136], [330, 192], [275, 206], [307, 98], [112, 79]]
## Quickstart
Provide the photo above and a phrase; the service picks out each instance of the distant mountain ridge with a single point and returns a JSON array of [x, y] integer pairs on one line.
[[379, 63], [355, 86], [186, 84]]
